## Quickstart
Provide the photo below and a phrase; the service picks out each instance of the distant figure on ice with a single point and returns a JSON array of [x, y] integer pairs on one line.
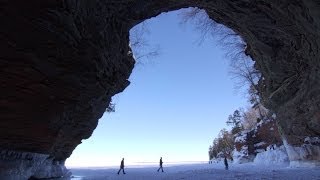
[[122, 166], [160, 165], [226, 162]]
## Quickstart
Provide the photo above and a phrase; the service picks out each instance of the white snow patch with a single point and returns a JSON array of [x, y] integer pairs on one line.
[[277, 156], [259, 144], [240, 157], [241, 137], [259, 150]]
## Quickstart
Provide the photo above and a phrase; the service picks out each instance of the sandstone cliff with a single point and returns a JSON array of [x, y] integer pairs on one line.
[[61, 61]]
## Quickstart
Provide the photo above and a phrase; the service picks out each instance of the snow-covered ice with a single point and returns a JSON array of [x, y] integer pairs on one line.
[[200, 172], [273, 156]]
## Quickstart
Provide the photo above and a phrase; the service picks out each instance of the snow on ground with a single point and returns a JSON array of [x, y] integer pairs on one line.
[[200, 172], [273, 156]]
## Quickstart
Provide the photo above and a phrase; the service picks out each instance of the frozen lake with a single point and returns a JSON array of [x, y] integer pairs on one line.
[[198, 172]]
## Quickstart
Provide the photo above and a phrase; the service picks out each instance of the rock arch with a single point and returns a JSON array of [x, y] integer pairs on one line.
[[63, 60]]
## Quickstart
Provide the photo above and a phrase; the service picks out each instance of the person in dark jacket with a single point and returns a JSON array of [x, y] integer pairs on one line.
[[160, 165], [226, 163], [122, 166]]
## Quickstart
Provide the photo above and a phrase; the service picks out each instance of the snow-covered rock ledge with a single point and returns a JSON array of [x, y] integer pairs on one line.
[[15, 165], [306, 155]]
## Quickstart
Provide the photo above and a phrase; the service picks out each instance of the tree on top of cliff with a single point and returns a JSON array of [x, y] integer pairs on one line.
[[235, 120], [141, 49], [242, 67]]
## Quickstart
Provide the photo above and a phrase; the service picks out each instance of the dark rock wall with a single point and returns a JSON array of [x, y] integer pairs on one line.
[[61, 62], [60, 66]]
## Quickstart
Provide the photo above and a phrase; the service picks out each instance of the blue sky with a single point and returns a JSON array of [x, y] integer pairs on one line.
[[174, 107]]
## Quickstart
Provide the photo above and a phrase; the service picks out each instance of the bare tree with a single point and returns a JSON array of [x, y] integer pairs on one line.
[[201, 21], [206, 27], [241, 65], [141, 49], [242, 69], [224, 144], [209, 29]]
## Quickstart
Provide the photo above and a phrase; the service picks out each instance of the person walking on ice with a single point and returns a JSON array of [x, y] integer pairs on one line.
[[160, 165], [122, 166], [226, 162]]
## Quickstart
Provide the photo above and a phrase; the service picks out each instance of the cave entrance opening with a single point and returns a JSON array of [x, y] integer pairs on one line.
[[179, 98]]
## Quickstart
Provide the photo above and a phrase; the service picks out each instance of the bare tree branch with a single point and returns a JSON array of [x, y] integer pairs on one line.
[[141, 49]]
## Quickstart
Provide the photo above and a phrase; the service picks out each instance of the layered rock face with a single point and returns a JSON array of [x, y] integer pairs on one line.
[[61, 61]]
